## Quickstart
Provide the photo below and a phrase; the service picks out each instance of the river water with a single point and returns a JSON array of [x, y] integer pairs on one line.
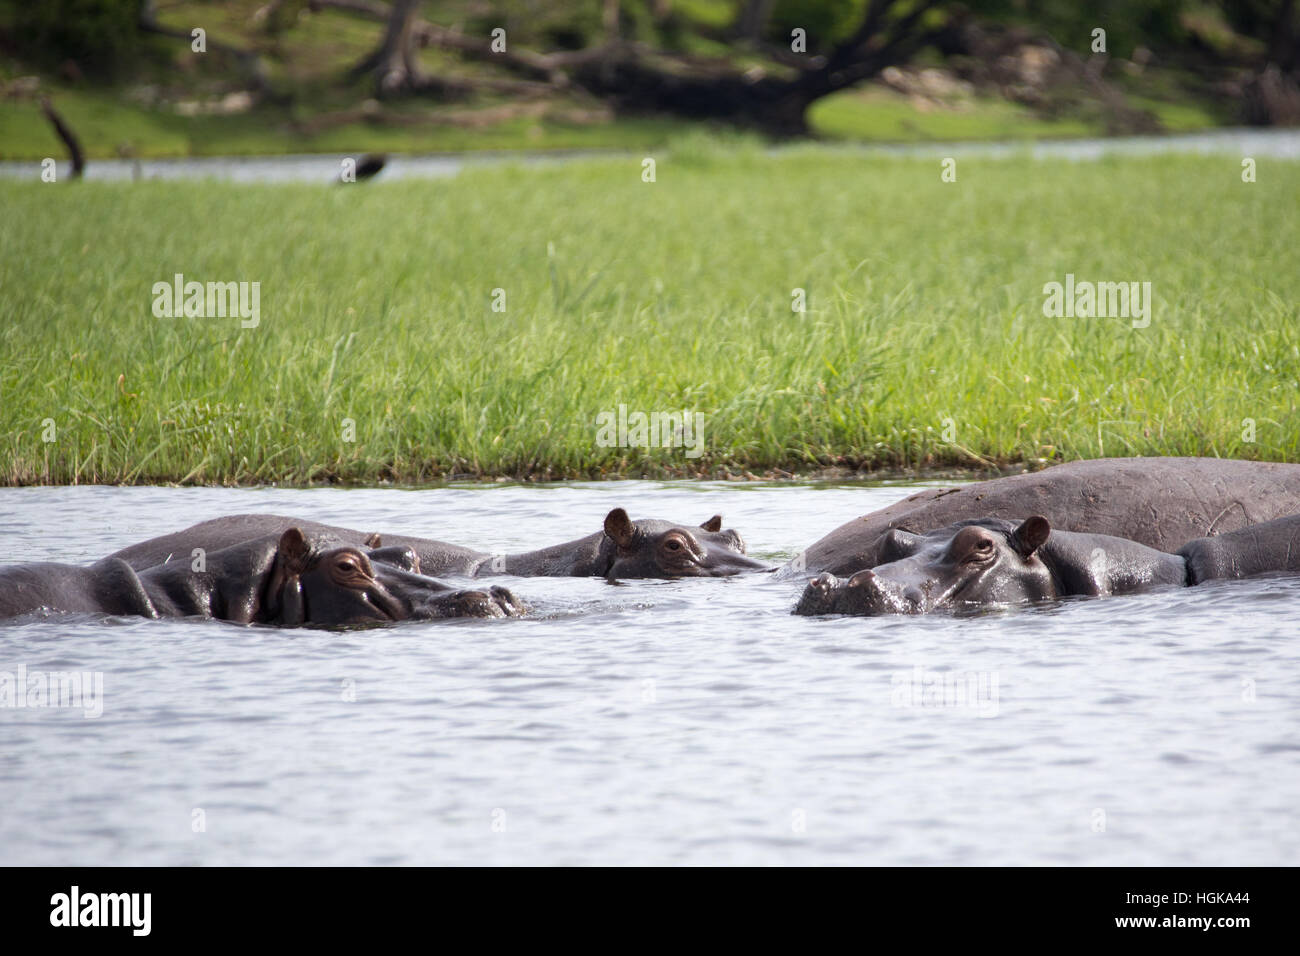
[[325, 167], [645, 722]]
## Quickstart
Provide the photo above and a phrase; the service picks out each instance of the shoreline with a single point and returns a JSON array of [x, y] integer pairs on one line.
[[829, 476], [322, 167]]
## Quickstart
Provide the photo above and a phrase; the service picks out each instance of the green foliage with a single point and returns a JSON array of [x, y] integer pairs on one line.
[[825, 20], [100, 36], [1255, 18], [1154, 24]]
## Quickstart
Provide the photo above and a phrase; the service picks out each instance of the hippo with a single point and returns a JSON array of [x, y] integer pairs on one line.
[[1264, 548], [987, 561], [1162, 503], [647, 548], [291, 579]]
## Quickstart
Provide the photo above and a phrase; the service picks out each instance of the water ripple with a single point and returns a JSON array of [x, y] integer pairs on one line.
[[654, 722]]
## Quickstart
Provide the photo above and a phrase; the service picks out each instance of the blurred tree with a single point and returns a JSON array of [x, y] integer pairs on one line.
[[824, 21], [732, 60], [1155, 24], [609, 16], [100, 37], [1275, 22], [279, 16], [393, 63], [751, 20], [883, 33]]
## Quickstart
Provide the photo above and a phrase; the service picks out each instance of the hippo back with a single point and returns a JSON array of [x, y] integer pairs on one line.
[[109, 586], [1162, 503], [436, 557], [1273, 546]]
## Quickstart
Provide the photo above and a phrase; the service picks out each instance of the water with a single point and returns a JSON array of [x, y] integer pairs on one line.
[[325, 168], [647, 722]]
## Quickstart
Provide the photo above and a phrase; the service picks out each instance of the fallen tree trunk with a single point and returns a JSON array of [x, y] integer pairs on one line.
[[633, 80]]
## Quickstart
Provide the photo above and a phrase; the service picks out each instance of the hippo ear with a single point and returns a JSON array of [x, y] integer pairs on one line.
[[1030, 536], [294, 551], [398, 556], [898, 543], [619, 527], [374, 540], [713, 524]]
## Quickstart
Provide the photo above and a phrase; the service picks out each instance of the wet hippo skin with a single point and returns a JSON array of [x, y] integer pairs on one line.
[[648, 548], [992, 561], [1163, 503], [291, 579]]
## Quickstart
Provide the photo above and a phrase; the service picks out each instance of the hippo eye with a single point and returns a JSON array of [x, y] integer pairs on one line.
[[349, 567], [677, 548]]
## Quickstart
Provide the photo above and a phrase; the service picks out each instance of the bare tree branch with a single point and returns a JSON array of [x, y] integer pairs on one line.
[[249, 60], [65, 133]]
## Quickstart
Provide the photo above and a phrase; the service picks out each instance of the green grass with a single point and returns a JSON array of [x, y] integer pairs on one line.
[[877, 113], [925, 305]]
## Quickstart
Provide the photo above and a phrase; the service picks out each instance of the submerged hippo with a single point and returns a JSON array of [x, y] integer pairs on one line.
[[291, 579], [1160, 502], [993, 561], [623, 549]]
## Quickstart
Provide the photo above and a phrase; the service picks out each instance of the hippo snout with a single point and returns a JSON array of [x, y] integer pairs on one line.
[[864, 593], [730, 563], [510, 605], [868, 593], [818, 595], [494, 602]]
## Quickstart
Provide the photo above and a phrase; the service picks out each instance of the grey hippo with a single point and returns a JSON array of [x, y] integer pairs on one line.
[[993, 561], [290, 579], [623, 548], [1162, 503]]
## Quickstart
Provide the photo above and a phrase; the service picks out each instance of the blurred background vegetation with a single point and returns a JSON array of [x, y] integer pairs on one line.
[[420, 75]]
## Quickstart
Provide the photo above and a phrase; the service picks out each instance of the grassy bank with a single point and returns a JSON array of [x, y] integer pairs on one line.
[[110, 126], [924, 342]]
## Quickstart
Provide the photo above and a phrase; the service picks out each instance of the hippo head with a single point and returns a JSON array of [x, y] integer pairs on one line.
[[660, 549], [344, 587], [969, 564], [426, 598]]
